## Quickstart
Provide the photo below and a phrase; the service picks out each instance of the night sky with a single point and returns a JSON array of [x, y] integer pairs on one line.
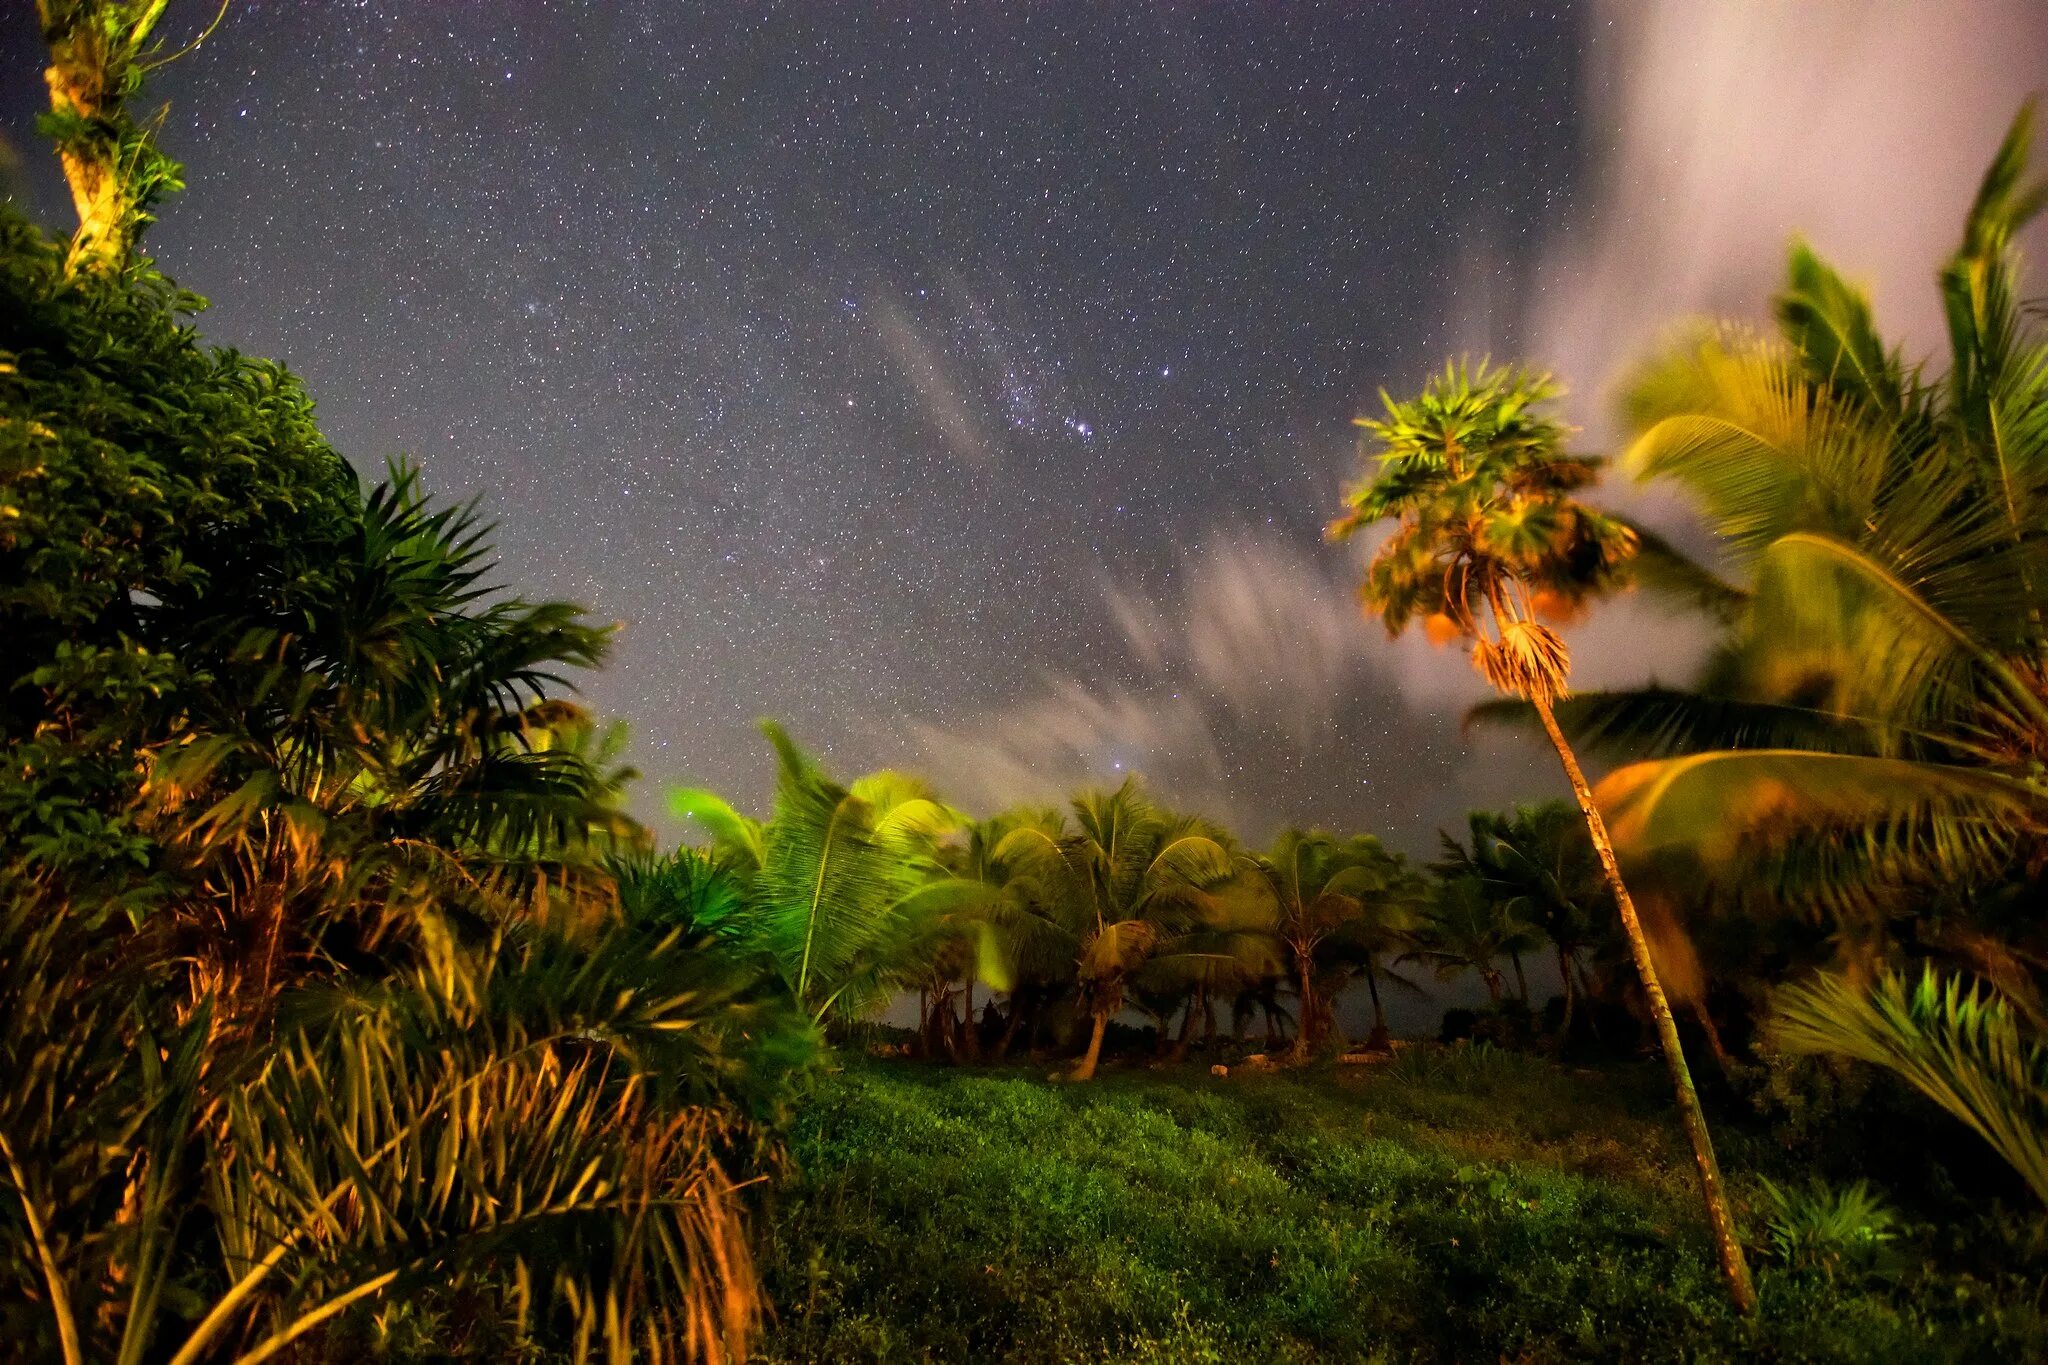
[[964, 385]]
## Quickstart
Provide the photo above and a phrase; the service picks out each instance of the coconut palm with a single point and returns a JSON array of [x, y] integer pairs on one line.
[[1337, 898], [1538, 863], [1873, 723], [1130, 878], [1468, 930], [1486, 535], [845, 888]]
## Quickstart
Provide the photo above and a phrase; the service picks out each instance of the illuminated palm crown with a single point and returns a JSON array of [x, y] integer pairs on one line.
[[1474, 477]]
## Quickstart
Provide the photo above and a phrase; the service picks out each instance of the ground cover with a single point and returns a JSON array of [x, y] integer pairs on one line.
[[1450, 1206]]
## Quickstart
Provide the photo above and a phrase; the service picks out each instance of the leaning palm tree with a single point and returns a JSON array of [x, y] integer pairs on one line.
[[1486, 530], [1873, 723], [1131, 878]]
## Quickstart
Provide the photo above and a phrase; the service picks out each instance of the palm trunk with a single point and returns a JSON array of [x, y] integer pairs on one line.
[[1734, 1267], [1309, 1029], [1010, 1026], [1379, 1037], [970, 1028], [1187, 1025], [1714, 1043], [1086, 1070], [1492, 979], [1521, 981], [1564, 969]]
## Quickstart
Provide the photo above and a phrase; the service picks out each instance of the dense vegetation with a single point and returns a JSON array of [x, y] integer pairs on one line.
[[345, 1010]]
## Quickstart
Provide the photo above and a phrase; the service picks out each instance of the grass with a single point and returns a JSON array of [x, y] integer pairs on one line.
[[1466, 1206]]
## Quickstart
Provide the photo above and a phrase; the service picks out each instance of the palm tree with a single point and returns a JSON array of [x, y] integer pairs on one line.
[[1021, 949], [546, 1109], [1467, 930], [1538, 863], [845, 887], [1873, 723], [1474, 478], [1332, 895], [384, 747], [1130, 878]]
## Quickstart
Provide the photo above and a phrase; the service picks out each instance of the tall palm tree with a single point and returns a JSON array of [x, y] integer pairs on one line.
[[1332, 894], [1130, 878], [1873, 724], [845, 887], [1486, 529]]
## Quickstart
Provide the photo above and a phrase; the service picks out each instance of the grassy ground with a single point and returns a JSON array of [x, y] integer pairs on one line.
[[1451, 1207]]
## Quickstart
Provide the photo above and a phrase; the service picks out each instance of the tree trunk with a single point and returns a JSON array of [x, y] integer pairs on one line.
[[1010, 1026], [1564, 969], [1309, 1029], [970, 1028], [1714, 1043], [1521, 981], [1086, 1070], [1379, 1038], [1734, 1266], [1493, 982], [1187, 1026]]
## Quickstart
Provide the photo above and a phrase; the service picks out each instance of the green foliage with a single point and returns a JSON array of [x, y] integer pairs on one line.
[[844, 888], [315, 985], [1827, 1228], [1510, 1210], [1874, 723], [1960, 1044]]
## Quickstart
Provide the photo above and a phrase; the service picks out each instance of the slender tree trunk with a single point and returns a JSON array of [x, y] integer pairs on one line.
[[970, 1028], [1714, 1043], [1734, 1266], [1086, 1070], [1564, 969], [1187, 1025], [1309, 1031], [1379, 1038], [1493, 982], [1010, 1026], [1521, 981]]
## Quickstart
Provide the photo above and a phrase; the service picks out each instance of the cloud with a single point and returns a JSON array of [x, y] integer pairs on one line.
[[1729, 127], [1253, 692], [1258, 694]]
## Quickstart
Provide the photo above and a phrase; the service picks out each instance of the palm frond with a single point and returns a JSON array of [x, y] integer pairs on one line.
[[1957, 1043]]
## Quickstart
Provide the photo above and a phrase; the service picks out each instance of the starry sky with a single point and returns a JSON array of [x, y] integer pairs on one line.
[[963, 384]]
